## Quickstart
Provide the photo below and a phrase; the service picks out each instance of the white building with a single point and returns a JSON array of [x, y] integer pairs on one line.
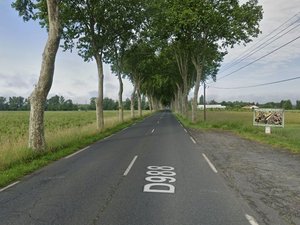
[[216, 106]]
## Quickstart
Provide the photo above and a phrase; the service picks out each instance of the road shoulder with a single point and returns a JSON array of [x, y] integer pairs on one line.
[[267, 178]]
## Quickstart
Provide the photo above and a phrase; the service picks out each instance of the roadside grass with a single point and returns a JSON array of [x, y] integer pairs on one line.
[[66, 132], [240, 122]]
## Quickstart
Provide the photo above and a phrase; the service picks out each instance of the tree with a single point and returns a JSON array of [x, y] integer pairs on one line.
[[200, 31], [53, 103], [137, 60], [68, 105], [127, 104], [94, 30], [109, 104], [92, 105], [214, 26], [3, 103], [160, 84], [286, 104], [16, 103], [126, 30], [48, 12], [298, 104], [88, 30]]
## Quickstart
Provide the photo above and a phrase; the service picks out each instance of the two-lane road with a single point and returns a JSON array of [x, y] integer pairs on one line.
[[152, 173]]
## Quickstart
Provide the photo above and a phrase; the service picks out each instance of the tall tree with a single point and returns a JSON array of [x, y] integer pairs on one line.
[[89, 30], [136, 64], [97, 29], [126, 29], [214, 26], [49, 13], [3, 103], [199, 29]]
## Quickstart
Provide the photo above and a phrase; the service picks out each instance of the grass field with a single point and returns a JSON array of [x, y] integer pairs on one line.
[[62, 130], [241, 123]]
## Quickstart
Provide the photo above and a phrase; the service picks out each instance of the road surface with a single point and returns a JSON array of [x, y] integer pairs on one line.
[[152, 173]]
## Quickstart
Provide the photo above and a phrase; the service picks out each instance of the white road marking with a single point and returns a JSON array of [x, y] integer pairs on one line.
[[8, 186], [157, 122], [185, 130], [251, 220], [152, 131], [125, 128], [109, 136], [130, 165], [69, 156], [210, 164], [193, 140]]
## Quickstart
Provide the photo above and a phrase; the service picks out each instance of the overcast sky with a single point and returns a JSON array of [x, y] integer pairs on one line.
[[21, 46]]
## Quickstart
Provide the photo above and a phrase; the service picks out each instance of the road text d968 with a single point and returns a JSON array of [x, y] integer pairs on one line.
[[160, 178]]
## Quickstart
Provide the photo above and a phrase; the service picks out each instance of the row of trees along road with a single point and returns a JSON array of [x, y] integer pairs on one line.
[[164, 47], [59, 103], [19, 103]]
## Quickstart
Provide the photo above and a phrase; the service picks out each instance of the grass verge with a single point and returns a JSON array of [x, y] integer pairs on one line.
[[241, 124], [31, 161]]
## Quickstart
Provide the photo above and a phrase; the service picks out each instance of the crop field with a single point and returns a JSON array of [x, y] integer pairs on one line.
[[61, 129], [241, 122]]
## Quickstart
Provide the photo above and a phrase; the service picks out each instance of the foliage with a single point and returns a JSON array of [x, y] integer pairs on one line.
[[58, 103], [298, 104], [94, 27], [286, 104]]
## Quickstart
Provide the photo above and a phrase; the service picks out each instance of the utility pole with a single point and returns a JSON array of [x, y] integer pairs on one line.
[[204, 101]]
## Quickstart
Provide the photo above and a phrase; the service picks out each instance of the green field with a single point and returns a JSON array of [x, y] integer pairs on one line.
[[62, 129], [241, 122], [65, 132]]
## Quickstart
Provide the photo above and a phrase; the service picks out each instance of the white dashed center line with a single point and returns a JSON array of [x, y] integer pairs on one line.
[[209, 163], [130, 165], [251, 220]]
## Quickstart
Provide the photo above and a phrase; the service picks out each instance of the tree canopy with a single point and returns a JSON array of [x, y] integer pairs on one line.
[[165, 47]]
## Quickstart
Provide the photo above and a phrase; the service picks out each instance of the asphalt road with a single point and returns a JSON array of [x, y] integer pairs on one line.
[[152, 173]]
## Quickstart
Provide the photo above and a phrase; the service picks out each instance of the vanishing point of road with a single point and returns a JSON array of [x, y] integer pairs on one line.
[[152, 173]]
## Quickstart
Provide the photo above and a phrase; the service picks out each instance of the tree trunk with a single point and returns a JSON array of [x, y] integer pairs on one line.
[[132, 102], [121, 114], [182, 57], [199, 70], [179, 102], [138, 89], [39, 95], [150, 103], [174, 103], [99, 100]]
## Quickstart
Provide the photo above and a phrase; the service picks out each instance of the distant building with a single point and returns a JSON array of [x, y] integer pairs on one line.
[[215, 106]]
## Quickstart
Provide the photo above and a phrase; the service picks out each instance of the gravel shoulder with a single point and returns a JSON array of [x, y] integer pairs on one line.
[[267, 178]]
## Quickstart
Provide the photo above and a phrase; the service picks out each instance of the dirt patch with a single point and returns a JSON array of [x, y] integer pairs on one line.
[[268, 178]]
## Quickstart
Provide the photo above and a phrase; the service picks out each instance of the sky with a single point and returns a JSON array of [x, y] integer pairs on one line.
[[21, 47]]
